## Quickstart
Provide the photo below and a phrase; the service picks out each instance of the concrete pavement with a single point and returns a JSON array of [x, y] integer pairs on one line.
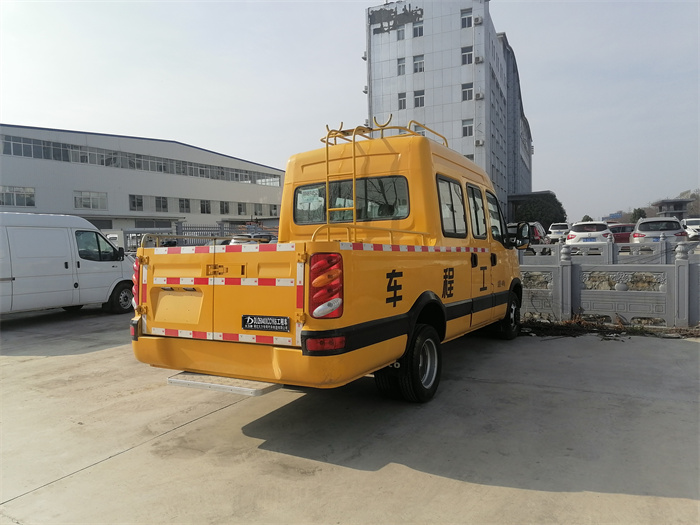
[[536, 430]]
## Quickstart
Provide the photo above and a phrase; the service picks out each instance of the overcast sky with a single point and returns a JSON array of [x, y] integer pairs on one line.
[[610, 88]]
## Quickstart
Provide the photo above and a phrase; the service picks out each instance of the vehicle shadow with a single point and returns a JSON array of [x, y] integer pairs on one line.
[[43, 333], [515, 429]]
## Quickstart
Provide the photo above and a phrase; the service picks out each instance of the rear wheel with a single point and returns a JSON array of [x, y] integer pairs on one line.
[[419, 373], [120, 301], [509, 326]]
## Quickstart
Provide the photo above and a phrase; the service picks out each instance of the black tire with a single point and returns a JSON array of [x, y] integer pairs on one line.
[[387, 382], [120, 302], [509, 326], [419, 373]]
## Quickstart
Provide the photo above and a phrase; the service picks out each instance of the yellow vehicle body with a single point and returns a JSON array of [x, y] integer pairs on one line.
[[244, 311]]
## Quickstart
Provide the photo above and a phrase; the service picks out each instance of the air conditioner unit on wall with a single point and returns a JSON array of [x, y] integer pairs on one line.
[[479, 96], [478, 20], [479, 60], [479, 142]]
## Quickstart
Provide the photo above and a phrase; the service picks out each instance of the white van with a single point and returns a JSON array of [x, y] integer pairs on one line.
[[60, 261]]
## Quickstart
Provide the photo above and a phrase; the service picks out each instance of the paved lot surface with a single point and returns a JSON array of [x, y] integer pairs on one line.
[[532, 431]]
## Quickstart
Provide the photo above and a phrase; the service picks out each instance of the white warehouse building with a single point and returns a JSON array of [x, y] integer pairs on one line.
[[127, 183], [442, 64]]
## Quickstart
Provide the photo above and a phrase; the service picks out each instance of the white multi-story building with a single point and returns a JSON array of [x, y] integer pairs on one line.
[[132, 183], [442, 64]]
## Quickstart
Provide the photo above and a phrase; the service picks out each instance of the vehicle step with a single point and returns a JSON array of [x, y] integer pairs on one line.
[[225, 384]]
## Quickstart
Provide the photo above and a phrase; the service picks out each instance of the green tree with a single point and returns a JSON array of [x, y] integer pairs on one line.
[[587, 218], [544, 208], [638, 213]]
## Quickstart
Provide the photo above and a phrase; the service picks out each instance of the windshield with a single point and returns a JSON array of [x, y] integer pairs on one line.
[[558, 226], [658, 226], [378, 198], [589, 227], [692, 222]]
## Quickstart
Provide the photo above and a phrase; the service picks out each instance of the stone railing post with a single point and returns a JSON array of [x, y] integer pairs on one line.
[[565, 286], [609, 249], [682, 285]]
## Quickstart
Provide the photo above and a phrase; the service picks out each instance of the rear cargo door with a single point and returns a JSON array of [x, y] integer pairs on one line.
[[177, 291], [259, 293]]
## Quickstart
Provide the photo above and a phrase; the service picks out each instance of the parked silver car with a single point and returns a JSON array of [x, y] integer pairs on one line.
[[692, 226], [558, 231], [585, 232], [649, 230]]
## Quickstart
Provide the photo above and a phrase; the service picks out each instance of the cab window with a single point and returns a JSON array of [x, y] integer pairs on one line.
[[477, 213], [452, 212], [93, 247], [378, 198], [498, 227]]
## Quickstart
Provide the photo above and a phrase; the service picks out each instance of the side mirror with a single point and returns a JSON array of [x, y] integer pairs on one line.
[[522, 237]]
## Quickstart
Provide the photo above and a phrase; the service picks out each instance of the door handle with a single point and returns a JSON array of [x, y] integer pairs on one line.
[[65, 265], [494, 259], [475, 260]]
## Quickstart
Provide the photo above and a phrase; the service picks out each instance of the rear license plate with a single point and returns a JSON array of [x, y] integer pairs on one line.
[[589, 240], [266, 323], [656, 239]]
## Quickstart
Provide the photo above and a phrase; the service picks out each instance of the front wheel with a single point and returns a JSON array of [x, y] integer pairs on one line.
[[120, 301], [420, 367], [509, 326]]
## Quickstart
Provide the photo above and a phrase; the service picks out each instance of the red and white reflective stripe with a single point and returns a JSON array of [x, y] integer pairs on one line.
[[223, 281], [259, 339], [369, 247], [188, 334], [252, 281], [143, 296], [300, 285], [222, 336], [191, 281], [226, 248]]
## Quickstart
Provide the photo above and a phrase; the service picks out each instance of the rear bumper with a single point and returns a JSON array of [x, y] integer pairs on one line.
[[274, 364]]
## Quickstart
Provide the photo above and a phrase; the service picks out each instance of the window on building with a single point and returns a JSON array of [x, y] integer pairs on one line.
[[184, 205], [135, 202], [467, 55], [205, 206], [468, 128], [419, 130], [400, 32], [273, 210], [417, 29], [224, 208], [418, 64], [241, 208], [16, 196], [401, 66], [466, 16], [161, 204], [402, 100], [468, 91], [419, 99], [90, 200], [258, 209]]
